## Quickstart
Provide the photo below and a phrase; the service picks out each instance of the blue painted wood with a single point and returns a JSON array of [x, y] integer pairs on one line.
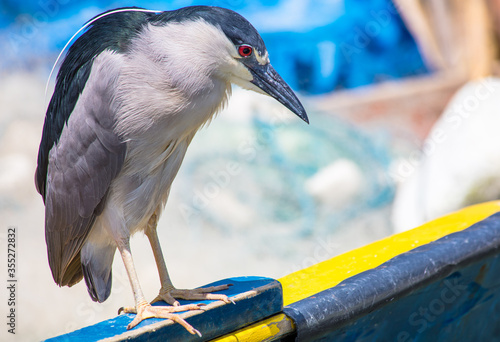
[[264, 300], [447, 290]]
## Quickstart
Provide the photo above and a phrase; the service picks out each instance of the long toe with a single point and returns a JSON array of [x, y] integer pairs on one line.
[[204, 293], [145, 311]]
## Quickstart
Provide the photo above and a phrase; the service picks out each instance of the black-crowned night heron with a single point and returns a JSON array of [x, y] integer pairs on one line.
[[130, 95]]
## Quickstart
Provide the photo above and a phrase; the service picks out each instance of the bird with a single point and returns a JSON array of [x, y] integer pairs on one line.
[[130, 94]]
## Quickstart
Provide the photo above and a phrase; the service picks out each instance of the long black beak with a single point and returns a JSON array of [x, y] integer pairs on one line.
[[267, 79]]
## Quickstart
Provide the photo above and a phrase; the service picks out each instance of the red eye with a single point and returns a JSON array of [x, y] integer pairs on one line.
[[245, 50]]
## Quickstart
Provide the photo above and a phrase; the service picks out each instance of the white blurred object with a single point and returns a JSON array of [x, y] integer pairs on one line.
[[460, 159], [337, 184]]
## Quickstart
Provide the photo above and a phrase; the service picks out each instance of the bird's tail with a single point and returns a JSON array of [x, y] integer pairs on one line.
[[97, 261], [72, 274]]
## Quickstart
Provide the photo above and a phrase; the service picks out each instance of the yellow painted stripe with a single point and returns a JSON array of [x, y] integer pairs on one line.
[[326, 274], [269, 329]]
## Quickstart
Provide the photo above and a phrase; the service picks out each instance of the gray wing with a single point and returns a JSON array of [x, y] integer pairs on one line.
[[81, 167]]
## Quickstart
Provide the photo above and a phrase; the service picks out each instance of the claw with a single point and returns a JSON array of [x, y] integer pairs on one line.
[[127, 309], [205, 293]]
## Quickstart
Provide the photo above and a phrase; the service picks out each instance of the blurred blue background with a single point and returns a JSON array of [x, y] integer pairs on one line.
[[318, 46]]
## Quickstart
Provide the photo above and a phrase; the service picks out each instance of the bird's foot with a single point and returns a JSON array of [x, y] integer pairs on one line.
[[170, 296], [144, 310]]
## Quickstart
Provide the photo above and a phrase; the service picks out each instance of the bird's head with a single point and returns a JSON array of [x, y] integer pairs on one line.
[[233, 48]]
